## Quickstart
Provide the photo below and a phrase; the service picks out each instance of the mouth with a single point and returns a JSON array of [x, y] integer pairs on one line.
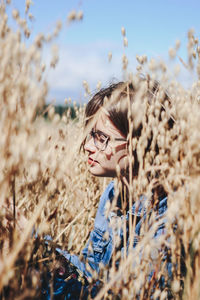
[[92, 162]]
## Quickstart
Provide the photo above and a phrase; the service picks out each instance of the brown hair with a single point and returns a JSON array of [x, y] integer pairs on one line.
[[118, 117], [119, 114]]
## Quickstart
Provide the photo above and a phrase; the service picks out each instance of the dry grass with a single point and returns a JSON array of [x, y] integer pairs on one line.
[[43, 176]]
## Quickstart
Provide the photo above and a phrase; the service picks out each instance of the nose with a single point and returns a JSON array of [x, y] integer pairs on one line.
[[89, 145]]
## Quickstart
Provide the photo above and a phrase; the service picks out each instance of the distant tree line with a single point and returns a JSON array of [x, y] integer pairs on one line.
[[59, 109]]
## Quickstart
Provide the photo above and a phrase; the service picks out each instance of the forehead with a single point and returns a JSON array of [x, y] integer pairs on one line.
[[105, 125]]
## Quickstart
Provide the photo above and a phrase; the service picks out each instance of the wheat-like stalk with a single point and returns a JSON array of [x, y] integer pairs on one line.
[[44, 176]]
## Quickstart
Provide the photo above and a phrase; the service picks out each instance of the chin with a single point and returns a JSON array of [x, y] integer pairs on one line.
[[98, 174], [102, 173]]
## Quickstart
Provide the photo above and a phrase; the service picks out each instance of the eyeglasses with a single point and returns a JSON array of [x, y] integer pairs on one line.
[[101, 139]]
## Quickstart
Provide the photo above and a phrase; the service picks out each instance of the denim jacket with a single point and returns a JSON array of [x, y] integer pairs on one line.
[[101, 248]]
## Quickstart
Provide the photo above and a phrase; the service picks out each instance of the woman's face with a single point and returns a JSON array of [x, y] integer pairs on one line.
[[104, 162]]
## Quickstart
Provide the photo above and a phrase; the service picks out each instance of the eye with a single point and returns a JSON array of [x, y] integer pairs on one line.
[[101, 137]]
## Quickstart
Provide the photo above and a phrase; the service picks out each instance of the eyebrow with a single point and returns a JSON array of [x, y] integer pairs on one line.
[[101, 132]]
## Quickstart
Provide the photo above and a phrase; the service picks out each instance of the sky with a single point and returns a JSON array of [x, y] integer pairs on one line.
[[152, 27]]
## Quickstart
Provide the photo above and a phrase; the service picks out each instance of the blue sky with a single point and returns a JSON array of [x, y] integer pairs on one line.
[[151, 28]]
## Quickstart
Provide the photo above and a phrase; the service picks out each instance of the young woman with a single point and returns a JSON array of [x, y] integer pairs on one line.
[[112, 123]]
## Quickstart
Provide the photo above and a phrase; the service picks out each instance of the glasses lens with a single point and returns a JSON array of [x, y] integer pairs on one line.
[[100, 141]]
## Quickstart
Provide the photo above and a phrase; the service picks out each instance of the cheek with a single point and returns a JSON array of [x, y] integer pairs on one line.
[[120, 158], [110, 159], [107, 156], [108, 153]]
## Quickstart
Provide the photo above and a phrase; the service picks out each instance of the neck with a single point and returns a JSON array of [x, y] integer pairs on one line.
[[123, 194]]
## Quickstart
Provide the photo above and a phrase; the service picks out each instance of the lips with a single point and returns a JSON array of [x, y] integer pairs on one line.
[[92, 161]]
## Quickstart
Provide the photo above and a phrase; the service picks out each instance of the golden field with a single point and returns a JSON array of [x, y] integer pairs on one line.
[[45, 186]]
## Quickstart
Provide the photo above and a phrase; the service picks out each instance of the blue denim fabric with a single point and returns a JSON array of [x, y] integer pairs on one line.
[[102, 248], [99, 249]]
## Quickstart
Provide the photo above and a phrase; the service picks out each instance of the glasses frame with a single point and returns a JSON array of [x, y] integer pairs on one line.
[[93, 134]]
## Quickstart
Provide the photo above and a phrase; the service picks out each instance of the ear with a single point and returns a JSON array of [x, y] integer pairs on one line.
[[124, 162]]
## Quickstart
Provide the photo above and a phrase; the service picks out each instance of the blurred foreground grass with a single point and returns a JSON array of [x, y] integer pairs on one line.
[[44, 177]]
